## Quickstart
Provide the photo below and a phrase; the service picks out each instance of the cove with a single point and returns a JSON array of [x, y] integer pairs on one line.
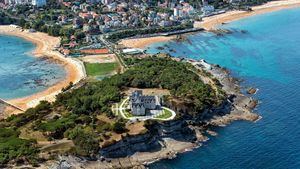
[[22, 74]]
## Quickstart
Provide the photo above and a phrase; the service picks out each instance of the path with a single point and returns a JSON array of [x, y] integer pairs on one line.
[[110, 46], [11, 105]]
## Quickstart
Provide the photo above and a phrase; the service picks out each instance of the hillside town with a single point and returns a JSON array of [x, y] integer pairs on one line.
[[82, 24]]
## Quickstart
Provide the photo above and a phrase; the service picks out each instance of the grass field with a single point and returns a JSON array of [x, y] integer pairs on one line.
[[166, 114], [127, 113], [98, 69]]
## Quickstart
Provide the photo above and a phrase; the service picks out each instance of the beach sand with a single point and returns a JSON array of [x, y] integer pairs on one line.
[[144, 42], [212, 22], [45, 45]]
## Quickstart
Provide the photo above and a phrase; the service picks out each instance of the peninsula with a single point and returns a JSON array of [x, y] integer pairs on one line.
[[130, 108]]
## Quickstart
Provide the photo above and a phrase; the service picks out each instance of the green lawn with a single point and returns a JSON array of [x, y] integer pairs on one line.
[[165, 115], [98, 69], [127, 114]]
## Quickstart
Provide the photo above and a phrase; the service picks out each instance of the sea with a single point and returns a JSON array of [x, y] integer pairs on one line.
[[263, 51], [22, 74]]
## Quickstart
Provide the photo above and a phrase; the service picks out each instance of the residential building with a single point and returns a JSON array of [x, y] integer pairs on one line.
[[39, 3]]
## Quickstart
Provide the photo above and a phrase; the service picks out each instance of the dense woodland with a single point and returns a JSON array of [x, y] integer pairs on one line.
[[74, 114], [5, 20]]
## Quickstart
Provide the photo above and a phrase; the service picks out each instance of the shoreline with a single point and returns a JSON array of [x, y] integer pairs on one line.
[[211, 22], [44, 48], [173, 146]]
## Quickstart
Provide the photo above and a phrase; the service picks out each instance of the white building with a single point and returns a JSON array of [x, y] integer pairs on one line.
[[106, 2], [39, 3], [208, 9], [132, 51], [176, 11], [18, 2], [139, 103]]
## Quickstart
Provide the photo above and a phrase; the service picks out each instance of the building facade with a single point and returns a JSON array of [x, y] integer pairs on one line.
[[140, 103]]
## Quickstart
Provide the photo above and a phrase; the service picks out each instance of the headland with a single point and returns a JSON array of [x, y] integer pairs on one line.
[[175, 136]]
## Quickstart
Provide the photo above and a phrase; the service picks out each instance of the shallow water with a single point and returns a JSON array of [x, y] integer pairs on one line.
[[267, 56], [21, 74]]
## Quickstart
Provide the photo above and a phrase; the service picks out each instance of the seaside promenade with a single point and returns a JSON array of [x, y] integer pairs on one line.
[[2, 101], [7, 108]]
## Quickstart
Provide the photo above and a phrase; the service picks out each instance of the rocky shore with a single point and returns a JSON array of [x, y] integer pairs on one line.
[[165, 140]]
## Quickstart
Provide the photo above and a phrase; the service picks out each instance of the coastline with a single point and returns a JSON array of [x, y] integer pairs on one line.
[[211, 22], [140, 159], [173, 143], [44, 48]]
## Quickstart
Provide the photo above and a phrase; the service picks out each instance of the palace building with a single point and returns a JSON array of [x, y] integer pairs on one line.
[[140, 103]]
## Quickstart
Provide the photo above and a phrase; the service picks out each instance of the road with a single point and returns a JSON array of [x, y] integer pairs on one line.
[[117, 52]]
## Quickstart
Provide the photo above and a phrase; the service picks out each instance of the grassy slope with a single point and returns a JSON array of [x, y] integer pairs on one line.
[[166, 114]]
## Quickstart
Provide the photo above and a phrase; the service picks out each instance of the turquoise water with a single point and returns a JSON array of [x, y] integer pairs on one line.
[[21, 74], [267, 56]]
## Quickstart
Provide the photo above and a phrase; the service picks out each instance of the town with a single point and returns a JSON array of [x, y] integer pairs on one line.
[[95, 24]]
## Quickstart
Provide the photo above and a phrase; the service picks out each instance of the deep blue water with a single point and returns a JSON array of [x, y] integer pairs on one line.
[[21, 74], [266, 57]]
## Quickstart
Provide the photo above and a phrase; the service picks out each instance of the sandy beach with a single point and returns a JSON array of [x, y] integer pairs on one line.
[[212, 22], [144, 42], [45, 45]]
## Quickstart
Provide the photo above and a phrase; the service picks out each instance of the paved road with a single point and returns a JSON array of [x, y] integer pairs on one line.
[[117, 52]]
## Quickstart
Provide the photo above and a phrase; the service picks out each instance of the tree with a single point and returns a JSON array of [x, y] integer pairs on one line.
[[86, 142], [67, 32], [119, 127], [27, 25], [79, 35], [22, 22], [54, 30]]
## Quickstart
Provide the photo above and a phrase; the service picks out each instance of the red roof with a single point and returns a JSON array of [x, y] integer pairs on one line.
[[95, 51]]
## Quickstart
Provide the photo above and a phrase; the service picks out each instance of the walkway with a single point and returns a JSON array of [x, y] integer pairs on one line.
[[121, 109], [11, 105]]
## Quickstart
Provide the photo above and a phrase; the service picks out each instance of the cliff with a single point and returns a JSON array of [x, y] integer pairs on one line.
[[165, 139]]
